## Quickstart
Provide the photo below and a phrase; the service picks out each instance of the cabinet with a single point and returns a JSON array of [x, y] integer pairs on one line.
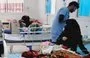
[[7, 27]]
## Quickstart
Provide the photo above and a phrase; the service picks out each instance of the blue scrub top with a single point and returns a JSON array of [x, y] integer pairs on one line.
[[57, 27]]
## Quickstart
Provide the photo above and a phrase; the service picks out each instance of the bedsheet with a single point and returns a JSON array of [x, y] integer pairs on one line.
[[27, 37]]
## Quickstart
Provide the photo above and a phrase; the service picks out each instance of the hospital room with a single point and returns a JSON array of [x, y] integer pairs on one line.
[[44, 29]]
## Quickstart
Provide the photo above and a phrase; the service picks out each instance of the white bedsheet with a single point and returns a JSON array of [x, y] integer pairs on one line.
[[18, 37], [13, 37]]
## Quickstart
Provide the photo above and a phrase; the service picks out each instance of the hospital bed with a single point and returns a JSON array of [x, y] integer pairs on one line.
[[26, 38], [26, 35]]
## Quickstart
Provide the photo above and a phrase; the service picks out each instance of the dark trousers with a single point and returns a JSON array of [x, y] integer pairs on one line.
[[1, 49]]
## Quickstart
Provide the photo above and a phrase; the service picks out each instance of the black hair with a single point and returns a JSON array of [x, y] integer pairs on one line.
[[74, 3], [26, 20]]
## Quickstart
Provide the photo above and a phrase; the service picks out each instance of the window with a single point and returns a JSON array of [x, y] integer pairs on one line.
[[13, 6], [50, 7], [84, 9]]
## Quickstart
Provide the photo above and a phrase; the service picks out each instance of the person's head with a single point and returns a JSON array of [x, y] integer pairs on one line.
[[25, 18], [73, 6]]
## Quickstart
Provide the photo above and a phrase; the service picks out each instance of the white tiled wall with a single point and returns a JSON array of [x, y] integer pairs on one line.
[[84, 23]]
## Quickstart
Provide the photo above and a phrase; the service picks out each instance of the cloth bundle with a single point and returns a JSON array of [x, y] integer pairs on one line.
[[64, 54]]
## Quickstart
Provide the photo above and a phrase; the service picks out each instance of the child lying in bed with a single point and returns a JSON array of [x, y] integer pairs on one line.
[[71, 36]]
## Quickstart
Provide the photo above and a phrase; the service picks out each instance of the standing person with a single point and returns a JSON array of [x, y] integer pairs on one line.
[[60, 18], [25, 21]]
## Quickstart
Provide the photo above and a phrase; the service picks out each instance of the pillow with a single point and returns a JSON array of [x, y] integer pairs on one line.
[[18, 49]]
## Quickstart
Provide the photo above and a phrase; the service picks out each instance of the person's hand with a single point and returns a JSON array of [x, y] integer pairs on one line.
[[21, 21], [64, 38], [23, 24]]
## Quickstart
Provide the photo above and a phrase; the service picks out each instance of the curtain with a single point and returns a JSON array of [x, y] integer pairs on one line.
[[49, 9], [50, 6], [2, 5], [13, 6], [84, 9]]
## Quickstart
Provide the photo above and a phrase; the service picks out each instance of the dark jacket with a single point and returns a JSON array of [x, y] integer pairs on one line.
[[26, 20], [73, 33]]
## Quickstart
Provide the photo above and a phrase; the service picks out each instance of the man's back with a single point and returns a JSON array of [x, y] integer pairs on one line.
[[57, 27]]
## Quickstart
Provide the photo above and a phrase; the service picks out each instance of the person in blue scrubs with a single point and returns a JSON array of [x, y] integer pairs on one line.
[[60, 18]]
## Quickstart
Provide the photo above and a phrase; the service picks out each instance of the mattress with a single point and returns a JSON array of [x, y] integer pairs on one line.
[[10, 38]]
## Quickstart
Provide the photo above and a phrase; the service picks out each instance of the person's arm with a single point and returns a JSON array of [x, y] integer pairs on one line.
[[21, 23], [61, 18], [63, 15]]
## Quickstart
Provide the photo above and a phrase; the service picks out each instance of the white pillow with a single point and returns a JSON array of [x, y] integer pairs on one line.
[[18, 48]]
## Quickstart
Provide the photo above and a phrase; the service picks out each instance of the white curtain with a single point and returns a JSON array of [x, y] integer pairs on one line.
[[13, 6], [2, 5], [50, 6]]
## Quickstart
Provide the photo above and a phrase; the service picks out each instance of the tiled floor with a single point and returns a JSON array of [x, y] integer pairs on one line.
[[18, 55], [87, 46]]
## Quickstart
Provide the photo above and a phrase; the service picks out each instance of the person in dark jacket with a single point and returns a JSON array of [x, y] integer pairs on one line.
[[25, 21], [71, 36]]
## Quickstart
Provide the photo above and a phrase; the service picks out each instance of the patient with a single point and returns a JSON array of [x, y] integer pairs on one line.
[[71, 36], [25, 21]]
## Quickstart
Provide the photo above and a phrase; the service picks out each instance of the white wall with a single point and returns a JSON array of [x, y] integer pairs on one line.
[[32, 8], [84, 23]]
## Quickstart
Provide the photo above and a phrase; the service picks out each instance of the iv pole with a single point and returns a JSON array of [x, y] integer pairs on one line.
[[48, 9], [64, 3]]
